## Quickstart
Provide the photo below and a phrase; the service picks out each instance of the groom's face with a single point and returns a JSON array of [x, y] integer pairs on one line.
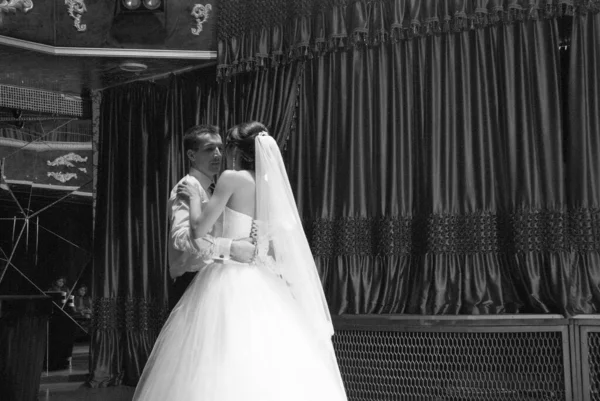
[[207, 159]]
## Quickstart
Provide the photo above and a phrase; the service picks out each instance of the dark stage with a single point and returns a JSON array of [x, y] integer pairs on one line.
[[69, 384]]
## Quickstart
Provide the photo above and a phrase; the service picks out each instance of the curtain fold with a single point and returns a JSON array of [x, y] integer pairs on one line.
[[140, 159], [132, 183], [428, 174], [583, 164], [267, 95], [427, 168], [262, 33]]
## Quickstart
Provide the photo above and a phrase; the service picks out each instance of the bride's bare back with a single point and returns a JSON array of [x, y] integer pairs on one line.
[[243, 198], [235, 190]]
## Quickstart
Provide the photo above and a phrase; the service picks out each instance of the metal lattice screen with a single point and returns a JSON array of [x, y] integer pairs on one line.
[[587, 335], [593, 342], [54, 103], [427, 365]]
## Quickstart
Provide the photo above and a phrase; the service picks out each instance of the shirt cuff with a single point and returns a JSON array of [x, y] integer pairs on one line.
[[223, 248]]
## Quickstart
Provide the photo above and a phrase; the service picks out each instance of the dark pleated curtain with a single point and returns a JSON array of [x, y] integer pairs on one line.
[[263, 33], [583, 162], [425, 145], [267, 95], [130, 279], [23, 336], [140, 158], [429, 173]]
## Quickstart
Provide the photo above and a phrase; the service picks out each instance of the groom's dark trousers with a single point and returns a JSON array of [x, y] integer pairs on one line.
[[179, 286]]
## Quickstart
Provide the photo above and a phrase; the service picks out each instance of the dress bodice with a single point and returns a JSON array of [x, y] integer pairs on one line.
[[236, 224]]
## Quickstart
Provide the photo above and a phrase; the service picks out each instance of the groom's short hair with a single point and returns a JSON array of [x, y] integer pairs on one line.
[[192, 137]]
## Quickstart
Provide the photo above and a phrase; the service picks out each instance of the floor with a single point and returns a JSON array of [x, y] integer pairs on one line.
[[69, 384]]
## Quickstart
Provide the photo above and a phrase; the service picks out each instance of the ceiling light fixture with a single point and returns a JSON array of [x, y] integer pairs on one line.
[[133, 67], [152, 4], [132, 4], [137, 6]]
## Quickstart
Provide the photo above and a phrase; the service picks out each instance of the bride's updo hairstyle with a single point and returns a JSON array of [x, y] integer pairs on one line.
[[242, 137]]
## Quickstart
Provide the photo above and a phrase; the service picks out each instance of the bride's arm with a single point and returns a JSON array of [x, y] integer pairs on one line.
[[201, 221]]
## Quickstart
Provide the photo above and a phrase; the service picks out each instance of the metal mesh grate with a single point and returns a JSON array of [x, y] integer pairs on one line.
[[457, 366], [41, 101], [594, 364]]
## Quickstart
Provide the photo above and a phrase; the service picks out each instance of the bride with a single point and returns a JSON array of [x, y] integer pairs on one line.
[[254, 332]]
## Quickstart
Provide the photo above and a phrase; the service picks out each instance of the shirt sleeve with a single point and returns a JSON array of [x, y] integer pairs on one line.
[[222, 247], [207, 247]]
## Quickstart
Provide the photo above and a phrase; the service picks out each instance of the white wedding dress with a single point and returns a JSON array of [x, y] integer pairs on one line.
[[238, 334]]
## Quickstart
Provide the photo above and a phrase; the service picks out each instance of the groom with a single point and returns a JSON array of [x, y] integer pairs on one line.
[[203, 149]]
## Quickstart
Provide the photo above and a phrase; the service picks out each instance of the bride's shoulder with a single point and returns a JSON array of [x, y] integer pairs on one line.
[[236, 177]]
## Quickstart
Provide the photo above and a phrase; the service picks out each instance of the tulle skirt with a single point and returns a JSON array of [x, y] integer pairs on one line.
[[236, 335]]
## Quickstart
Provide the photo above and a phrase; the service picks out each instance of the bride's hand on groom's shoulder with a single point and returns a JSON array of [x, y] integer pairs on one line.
[[188, 190]]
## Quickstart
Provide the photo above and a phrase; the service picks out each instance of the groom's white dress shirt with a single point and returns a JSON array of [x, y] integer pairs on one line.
[[185, 253]]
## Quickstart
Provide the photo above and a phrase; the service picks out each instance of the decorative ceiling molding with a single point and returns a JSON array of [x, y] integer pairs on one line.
[[108, 52], [7, 6], [200, 13], [76, 8]]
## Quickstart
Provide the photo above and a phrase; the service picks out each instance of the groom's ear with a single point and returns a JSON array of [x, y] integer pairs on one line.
[[190, 155]]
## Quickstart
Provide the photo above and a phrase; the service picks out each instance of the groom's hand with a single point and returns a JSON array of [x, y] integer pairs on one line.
[[242, 250]]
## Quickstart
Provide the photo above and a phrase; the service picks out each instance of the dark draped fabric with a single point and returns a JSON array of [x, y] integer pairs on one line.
[[583, 162], [432, 171], [23, 335], [130, 280], [430, 175], [266, 95], [140, 159], [257, 33]]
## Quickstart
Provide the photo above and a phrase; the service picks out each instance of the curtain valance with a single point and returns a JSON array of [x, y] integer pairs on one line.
[[257, 33]]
